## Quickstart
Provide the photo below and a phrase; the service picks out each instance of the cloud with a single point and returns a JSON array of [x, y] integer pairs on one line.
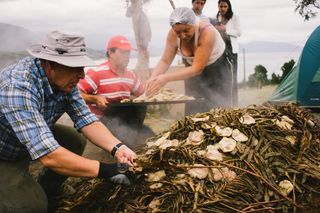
[[270, 20]]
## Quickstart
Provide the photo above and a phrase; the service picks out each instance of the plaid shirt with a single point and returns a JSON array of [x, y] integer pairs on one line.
[[29, 108]]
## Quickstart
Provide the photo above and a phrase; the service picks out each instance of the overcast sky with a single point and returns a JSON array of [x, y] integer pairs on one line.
[[268, 20]]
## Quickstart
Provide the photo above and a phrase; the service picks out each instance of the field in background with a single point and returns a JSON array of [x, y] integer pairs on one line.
[[160, 118], [248, 96]]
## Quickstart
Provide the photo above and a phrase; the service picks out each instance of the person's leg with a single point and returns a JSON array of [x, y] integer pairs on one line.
[[196, 88], [235, 99], [219, 77], [19, 192], [71, 139]]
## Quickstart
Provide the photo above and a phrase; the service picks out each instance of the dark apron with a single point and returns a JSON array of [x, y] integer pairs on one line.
[[213, 84]]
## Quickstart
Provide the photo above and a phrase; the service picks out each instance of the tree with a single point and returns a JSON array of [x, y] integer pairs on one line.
[[259, 78], [275, 79], [286, 68], [306, 8]]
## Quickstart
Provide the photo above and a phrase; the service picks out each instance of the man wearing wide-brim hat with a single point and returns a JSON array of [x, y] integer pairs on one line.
[[34, 93]]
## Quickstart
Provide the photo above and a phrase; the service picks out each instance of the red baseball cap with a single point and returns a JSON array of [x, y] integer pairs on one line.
[[119, 42]]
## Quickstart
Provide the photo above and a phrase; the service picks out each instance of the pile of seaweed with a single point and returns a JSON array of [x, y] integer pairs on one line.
[[256, 159]]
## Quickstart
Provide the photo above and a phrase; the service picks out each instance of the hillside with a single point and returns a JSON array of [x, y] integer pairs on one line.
[[8, 58], [266, 46], [14, 38]]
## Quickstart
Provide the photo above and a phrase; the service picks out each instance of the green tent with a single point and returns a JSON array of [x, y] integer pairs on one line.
[[302, 84]]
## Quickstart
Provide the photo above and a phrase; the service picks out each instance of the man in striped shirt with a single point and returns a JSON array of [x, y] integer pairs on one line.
[[111, 82]]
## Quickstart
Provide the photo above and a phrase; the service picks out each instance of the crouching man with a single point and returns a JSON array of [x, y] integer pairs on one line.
[[34, 93]]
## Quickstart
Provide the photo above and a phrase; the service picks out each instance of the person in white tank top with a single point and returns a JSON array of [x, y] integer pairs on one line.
[[217, 51], [202, 46]]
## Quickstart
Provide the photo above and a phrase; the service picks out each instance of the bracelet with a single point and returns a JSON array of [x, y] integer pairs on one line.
[[115, 148]]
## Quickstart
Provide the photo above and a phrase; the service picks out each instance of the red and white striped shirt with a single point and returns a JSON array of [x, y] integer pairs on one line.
[[102, 80]]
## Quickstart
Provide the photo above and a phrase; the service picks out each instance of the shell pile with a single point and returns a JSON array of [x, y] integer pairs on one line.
[[256, 159]]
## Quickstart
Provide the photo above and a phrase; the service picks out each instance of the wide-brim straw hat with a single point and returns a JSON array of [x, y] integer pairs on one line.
[[63, 48]]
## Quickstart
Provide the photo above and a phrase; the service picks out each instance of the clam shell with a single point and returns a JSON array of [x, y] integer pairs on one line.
[[247, 119], [214, 154], [285, 187], [239, 136], [169, 143], [199, 173], [217, 174], [156, 186], [156, 176], [195, 137], [224, 132], [227, 144]]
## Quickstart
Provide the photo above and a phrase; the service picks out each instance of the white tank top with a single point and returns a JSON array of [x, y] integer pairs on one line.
[[217, 51]]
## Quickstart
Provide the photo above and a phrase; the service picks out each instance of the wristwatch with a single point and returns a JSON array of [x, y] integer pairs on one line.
[[115, 148]]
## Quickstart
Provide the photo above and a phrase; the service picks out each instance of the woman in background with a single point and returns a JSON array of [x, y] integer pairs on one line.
[[227, 23], [208, 72]]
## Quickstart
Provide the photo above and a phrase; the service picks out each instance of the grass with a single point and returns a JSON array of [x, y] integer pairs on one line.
[[248, 96]]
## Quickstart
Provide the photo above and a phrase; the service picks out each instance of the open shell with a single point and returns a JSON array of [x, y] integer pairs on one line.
[[217, 174], [247, 119], [285, 187], [199, 173], [195, 137], [224, 132], [154, 204], [227, 144], [239, 136], [200, 119], [285, 123], [169, 143], [228, 174], [213, 153], [156, 185], [156, 176]]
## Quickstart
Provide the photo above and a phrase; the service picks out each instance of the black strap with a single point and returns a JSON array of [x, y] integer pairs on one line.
[[115, 148]]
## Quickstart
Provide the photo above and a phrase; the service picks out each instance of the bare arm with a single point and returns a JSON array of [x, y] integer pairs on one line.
[[98, 100], [67, 163], [99, 135], [202, 54], [201, 57]]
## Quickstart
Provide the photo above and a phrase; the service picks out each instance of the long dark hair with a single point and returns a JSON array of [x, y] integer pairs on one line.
[[229, 13]]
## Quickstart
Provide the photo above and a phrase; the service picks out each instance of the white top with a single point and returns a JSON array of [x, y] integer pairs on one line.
[[203, 18], [217, 51], [234, 31]]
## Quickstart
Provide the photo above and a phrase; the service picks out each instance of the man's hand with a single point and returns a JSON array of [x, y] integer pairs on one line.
[[101, 102], [125, 155]]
